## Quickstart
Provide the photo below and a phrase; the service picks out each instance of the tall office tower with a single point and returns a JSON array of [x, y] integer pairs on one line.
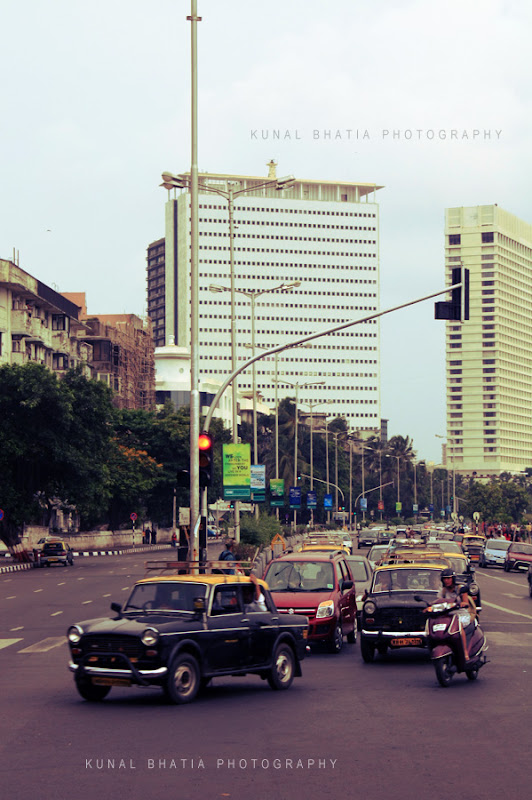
[[322, 234], [489, 358]]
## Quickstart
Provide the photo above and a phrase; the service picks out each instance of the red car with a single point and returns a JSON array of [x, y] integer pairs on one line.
[[320, 586], [518, 555]]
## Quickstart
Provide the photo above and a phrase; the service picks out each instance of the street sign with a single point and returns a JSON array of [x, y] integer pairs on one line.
[[133, 516], [294, 494], [399, 506], [327, 501], [312, 500], [363, 504], [381, 505], [476, 516], [277, 491], [258, 483], [236, 471], [415, 508]]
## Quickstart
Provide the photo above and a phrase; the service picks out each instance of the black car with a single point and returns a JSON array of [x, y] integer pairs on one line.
[[393, 610], [180, 631], [529, 578]]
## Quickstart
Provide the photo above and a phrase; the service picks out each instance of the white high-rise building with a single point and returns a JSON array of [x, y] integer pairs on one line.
[[322, 234], [489, 358]]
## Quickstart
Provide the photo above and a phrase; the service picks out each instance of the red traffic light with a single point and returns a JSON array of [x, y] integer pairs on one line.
[[204, 441]]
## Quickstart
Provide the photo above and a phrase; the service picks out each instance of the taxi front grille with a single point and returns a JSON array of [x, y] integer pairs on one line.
[[103, 644], [404, 619]]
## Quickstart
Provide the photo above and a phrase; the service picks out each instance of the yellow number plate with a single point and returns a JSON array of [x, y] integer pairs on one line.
[[111, 682], [405, 641]]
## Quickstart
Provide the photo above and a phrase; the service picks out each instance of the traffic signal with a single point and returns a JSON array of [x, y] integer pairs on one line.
[[457, 308], [205, 459]]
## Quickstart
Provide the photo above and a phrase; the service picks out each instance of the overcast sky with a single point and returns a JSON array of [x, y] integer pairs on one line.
[[95, 105]]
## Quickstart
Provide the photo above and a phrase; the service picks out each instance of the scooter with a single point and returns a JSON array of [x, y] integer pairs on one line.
[[456, 641]]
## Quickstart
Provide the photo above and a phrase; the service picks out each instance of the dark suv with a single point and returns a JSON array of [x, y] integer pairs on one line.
[[519, 554], [319, 585]]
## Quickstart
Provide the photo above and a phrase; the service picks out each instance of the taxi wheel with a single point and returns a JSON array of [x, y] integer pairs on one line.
[[282, 672], [90, 692], [367, 651], [352, 637], [183, 679]]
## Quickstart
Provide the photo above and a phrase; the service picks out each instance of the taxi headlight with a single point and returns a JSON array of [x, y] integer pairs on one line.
[[74, 634], [473, 589], [370, 607], [325, 609], [149, 637]]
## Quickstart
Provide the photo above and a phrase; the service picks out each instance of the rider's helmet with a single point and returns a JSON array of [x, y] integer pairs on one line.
[[447, 573]]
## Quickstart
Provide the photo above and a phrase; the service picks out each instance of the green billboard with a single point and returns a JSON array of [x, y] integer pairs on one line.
[[236, 471]]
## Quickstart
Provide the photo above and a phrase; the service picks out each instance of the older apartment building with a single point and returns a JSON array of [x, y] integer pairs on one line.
[[39, 324], [489, 358]]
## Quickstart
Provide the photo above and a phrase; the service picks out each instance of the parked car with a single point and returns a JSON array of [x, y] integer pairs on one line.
[[494, 553], [319, 585], [55, 551], [518, 556], [393, 612], [178, 632]]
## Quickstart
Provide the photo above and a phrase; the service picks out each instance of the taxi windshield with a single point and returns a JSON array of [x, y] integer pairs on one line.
[[400, 580], [167, 596], [300, 576]]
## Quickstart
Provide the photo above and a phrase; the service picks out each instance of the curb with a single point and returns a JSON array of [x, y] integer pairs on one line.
[[15, 568], [145, 549]]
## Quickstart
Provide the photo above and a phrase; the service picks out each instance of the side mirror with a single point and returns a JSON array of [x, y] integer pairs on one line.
[[199, 605], [347, 584], [117, 608]]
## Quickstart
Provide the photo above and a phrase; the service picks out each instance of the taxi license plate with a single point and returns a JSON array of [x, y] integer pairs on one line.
[[111, 682], [52, 559], [406, 641]]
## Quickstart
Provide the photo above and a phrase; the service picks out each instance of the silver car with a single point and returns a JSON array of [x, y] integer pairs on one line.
[[494, 553]]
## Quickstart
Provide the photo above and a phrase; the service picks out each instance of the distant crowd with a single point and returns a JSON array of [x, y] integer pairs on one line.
[[514, 533]]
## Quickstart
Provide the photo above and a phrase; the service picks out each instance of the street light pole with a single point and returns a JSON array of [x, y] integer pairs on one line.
[[297, 387], [171, 181]]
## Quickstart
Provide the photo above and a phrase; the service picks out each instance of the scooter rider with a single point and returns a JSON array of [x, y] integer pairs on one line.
[[454, 594], [451, 593]]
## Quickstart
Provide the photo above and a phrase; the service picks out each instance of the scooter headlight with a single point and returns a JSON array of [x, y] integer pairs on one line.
[[473, 589]]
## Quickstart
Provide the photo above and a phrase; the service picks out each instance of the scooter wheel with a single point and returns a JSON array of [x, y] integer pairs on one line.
[[443, 671], [472, 674]]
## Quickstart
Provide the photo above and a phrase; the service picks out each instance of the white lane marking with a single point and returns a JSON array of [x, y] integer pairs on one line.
[[20, 628], [505, 580], [510, 639], [56, 613], [44, 645], [7, 642], [11, 597], [37, 590], [81, 579], [506, 610], [63, 583], [125, 588], [106, 595], [85, 602], [512, 596]]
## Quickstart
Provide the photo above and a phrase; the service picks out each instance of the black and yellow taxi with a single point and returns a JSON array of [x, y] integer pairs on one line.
[[178, 631], [392, 614], [55, 551]]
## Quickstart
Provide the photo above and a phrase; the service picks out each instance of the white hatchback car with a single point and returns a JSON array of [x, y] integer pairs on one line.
[[494, 553]]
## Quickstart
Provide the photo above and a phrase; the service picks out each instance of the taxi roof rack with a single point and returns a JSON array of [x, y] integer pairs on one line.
[[198, 567]]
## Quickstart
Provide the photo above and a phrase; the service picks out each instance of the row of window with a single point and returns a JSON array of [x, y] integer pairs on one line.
[[336, 254], [275, 224], [264, 264], [285, 210]]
